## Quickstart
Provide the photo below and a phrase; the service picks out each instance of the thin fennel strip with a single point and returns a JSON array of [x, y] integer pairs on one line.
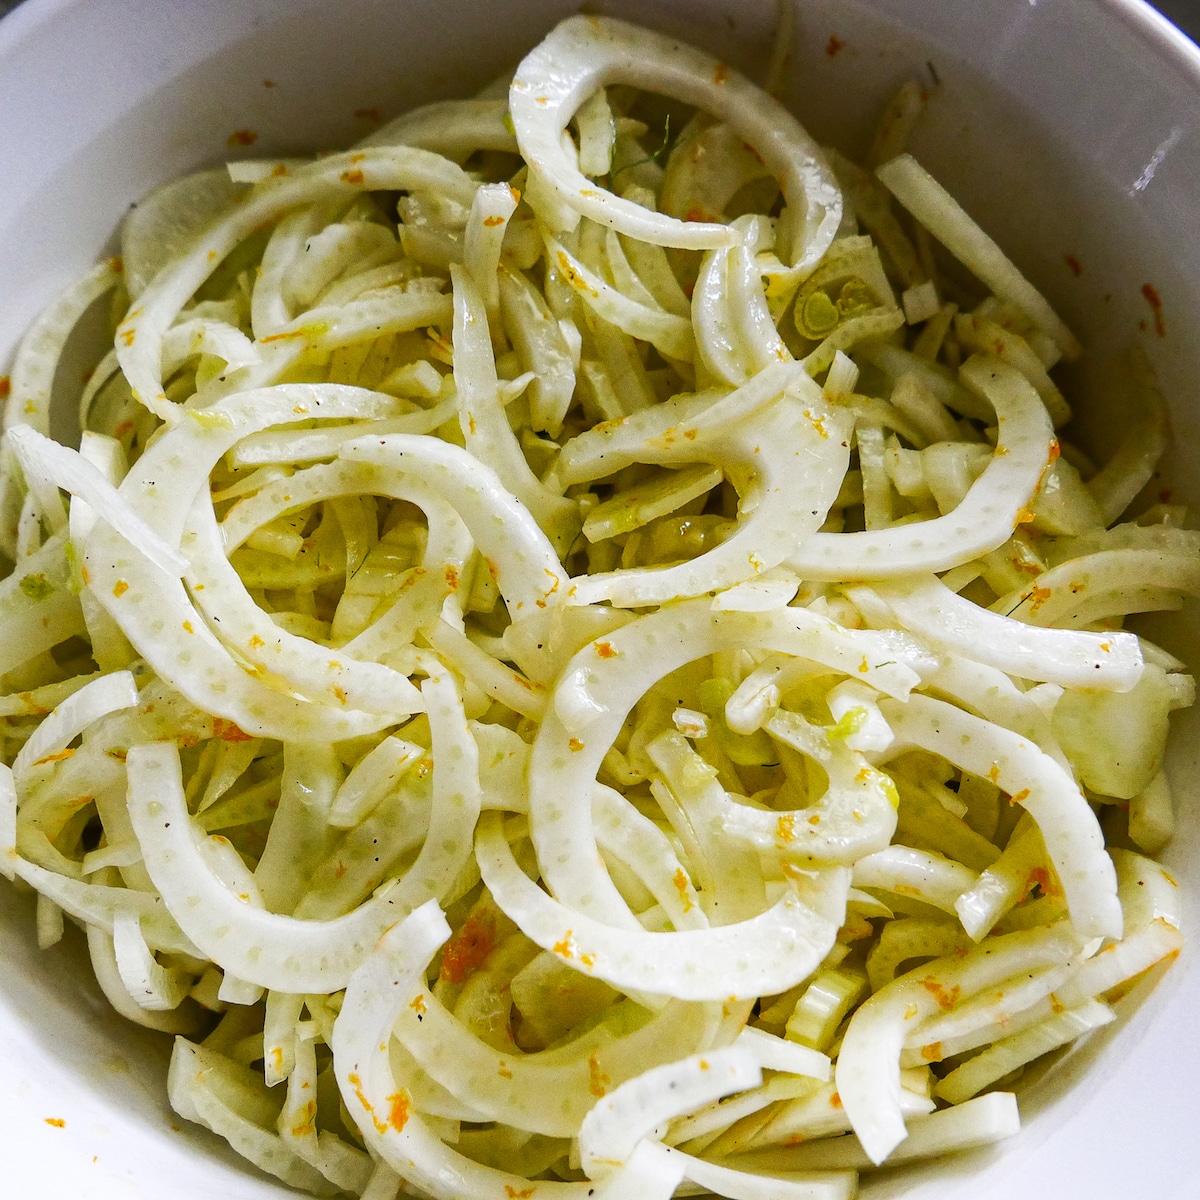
[[941, 214]]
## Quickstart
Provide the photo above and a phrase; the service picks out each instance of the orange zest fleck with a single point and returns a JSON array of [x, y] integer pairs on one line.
[[120, 588], [354, 177], [1075, 265], [573, 277], [368, 114], [61, 756], [576, 745], [785, 828], [1019, 797], [241, 137], [469, 948], [230, 731], [368, 1107], [518, 1193], [398, 1111], [492, 221], [1039, 596], [720, 74], [290, 334], [1150, 292], [605, 650], [57, 1122], [1042, 877], [413, 575], [452, 577], [680, 880], [834, 46], [947, 997], [308, 1119], [597, 1079], [5, 387], [565, 948], [932, 1052]]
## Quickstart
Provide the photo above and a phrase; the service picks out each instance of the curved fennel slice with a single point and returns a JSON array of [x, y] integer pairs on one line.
[[585, 53], [987, 514], [277, 951]]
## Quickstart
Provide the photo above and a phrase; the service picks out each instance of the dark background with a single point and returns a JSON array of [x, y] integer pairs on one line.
[[1185, 14]]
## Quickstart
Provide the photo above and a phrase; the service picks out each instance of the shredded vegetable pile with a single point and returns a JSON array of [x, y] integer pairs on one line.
[[574, 661]]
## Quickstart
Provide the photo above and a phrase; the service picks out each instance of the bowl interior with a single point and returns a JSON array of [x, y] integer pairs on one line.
[[1067, 127]]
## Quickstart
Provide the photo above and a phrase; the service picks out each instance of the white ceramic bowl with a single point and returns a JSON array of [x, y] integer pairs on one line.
[[1066, 126]]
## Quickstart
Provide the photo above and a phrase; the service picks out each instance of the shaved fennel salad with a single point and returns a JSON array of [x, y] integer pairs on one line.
[[571, 659]]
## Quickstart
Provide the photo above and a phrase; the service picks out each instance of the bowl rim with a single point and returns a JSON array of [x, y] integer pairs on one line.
[[1139, 16], [1149, 24]]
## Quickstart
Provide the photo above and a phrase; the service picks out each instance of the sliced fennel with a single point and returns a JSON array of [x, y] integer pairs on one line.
[[538, 639]]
